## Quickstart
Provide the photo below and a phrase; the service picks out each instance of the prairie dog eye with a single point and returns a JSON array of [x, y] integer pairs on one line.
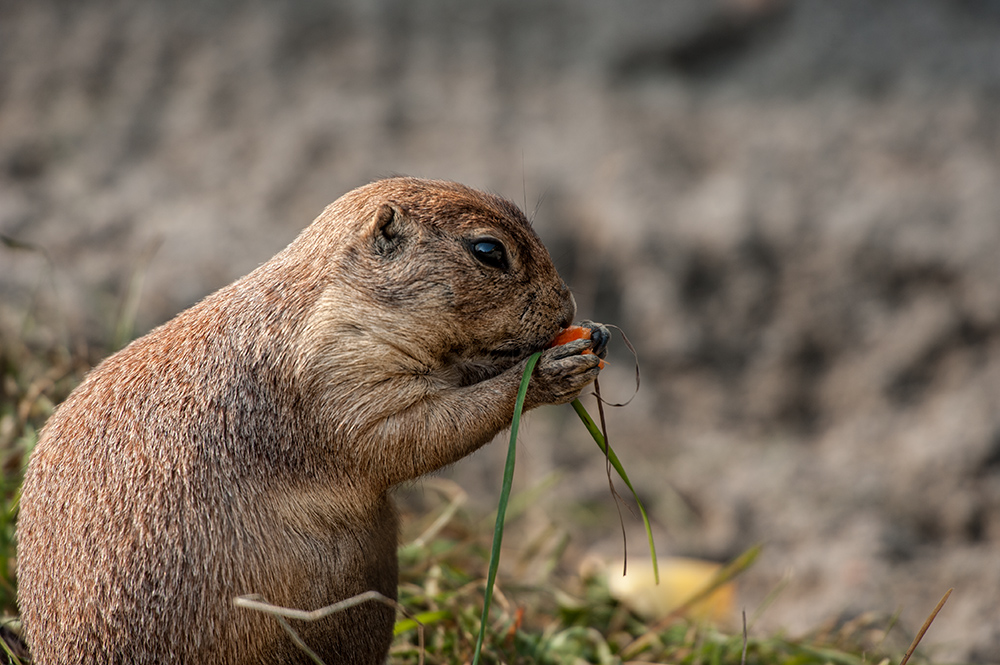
[[489, 252]]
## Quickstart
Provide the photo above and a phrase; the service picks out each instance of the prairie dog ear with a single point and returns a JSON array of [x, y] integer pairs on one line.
[[387, 229]]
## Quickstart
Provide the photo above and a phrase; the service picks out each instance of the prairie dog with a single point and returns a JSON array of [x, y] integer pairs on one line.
[[250, 445]]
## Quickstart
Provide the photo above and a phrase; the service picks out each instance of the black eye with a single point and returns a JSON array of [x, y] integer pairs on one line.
[[489, 252]]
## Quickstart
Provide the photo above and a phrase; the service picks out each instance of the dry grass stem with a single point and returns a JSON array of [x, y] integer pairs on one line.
[[256, 603], [923, 629], [457, 497], [743, 657]]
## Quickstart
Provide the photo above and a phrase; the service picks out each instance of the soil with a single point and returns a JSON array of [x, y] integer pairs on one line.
[[790, 206]]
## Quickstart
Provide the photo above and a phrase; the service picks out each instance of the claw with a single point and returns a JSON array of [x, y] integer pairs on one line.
[[599, 337]]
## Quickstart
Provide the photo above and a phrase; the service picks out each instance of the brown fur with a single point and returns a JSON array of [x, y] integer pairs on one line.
[[250, 444]]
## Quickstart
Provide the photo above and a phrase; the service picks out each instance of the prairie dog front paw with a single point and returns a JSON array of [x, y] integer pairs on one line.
[[568, 367]]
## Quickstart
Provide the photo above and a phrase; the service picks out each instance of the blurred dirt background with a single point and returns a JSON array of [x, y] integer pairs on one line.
[[792, 207]]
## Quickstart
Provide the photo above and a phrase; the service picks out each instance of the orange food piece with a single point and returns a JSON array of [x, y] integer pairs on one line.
[[571, 334]]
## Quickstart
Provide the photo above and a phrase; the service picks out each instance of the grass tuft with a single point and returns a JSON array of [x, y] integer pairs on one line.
[[567, 618], [580, 622]]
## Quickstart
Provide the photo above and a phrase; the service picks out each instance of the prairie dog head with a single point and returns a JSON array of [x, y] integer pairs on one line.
[[440, 275]]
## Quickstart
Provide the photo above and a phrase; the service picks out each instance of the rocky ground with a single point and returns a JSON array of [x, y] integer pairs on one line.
[[792, 207]]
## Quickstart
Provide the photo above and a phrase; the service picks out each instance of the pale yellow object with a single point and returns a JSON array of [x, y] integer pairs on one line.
[[680, 580]]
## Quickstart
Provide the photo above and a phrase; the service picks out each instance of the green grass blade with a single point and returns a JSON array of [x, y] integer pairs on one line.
[[424, 618], [613, 458], [508, 478]]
